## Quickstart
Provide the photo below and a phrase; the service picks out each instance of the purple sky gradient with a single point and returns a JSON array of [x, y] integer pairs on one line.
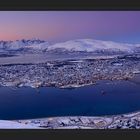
[[121, 26]]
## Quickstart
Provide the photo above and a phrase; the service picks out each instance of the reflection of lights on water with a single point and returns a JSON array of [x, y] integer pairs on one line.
[[37, 90], [13, 88], [103, 92]]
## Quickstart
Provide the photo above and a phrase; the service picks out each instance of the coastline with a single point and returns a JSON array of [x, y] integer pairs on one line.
[[121, 121]]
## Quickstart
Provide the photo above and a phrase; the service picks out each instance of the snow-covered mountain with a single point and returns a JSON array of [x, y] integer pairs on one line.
[[79, 45], [19, 45], [96, 46]]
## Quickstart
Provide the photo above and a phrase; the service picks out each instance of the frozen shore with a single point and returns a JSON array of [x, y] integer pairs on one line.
[[6, 124], [123, 121]]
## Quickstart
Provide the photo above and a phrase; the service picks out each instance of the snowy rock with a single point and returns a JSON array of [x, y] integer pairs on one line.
[[84, 120], [15, 125]]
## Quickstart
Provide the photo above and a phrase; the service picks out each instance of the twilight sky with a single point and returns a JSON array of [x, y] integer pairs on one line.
[[121, 26]]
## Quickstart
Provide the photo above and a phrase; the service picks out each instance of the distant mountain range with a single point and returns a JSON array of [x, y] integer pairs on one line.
[[78, 45]]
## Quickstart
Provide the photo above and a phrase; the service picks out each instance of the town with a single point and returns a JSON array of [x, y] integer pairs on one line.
[[69, 73]]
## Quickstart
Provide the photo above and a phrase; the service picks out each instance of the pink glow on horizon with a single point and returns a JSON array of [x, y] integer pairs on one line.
[[55, 25]]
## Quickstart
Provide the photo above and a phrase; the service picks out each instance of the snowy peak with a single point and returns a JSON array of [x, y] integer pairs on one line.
[[90, 45], [19, 44], [40, 46]]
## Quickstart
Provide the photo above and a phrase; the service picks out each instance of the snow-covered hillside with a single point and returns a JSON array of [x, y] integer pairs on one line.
[[90, 45], [5, 124], [19, 44], [79, 45]]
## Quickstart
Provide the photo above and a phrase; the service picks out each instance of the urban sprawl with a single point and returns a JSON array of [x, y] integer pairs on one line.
[[69, 73]]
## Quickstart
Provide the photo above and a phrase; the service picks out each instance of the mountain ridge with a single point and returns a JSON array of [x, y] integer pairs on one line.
[[77, 45]]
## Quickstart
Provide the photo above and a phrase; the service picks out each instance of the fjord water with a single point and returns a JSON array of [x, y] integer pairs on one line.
[[104, 98]]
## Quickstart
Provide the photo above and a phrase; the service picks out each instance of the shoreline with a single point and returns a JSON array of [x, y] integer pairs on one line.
[[120, 121], [72, 86]]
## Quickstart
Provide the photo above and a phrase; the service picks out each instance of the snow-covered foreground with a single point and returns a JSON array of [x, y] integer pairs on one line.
[[122, 121], [4, 124]]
